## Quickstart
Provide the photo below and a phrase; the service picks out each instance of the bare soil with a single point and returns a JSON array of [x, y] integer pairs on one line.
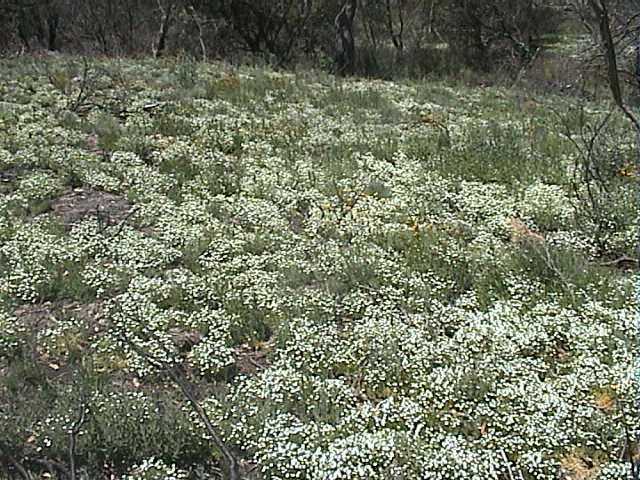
[[81, 203]]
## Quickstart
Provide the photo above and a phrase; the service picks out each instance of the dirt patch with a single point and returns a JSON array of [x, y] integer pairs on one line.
[[90, 313], [250, 359], [8, 178], [81, 203], [38, 318], [578, 467], [41, 316]]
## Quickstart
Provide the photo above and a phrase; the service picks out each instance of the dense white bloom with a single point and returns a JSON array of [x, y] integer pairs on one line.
[[333, 252]]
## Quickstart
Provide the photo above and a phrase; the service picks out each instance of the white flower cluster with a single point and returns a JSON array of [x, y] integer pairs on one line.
[[140, 315], [549, 206], [33, 258], [155, 469], [10, 334], [330, 235], [37, 186]]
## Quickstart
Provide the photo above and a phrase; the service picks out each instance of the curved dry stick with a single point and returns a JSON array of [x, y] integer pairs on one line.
[[14, 463], [73, 434], [229, 460]]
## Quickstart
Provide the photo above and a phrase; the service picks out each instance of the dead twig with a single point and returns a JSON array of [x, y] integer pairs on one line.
[[509, 469], [621, 261], [14, 463], [177, 376], [122, 223], [73, 434]]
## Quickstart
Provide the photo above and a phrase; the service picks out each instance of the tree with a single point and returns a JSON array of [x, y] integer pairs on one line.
[[271, 27], [485, 32], [612, 39], [34, 21], [345, 43], [395, 31], [602, 167], [166, 18], [618, 27]]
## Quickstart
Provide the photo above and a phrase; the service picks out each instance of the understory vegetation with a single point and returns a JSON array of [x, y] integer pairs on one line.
[[356, 279]]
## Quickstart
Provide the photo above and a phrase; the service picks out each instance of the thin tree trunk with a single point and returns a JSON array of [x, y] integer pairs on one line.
[[637, 52], [396, 36], [198, 21], [23, 31], [367, 27], [602, 12], [53, 22], [432, 12], [433, 32], [165, 24], [345, 44], [637, 166]]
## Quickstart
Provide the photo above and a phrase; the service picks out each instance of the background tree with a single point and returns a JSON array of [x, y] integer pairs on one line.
[[345, 42], [271, 28], [485, 33], [167, 12], [34, 23], [369, 37]]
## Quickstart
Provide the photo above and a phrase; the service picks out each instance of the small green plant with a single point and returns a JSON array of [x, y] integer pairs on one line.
[[108, 131], [186, 72], [77, 82], [603, 174], [61, 80]]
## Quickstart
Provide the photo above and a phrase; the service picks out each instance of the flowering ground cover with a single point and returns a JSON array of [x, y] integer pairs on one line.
[[361, 279]]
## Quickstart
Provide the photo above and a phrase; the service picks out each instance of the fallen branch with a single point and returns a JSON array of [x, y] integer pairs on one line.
[[620, 262], [123, 222], [229, 460]]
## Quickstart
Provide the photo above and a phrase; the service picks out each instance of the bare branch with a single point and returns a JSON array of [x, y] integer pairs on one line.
[[600, 8], [165, 23], [177, 376], [14, 463], [73, 434]]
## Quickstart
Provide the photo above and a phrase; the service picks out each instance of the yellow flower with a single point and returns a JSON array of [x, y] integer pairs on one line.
[[605, 401], [628, 170]]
